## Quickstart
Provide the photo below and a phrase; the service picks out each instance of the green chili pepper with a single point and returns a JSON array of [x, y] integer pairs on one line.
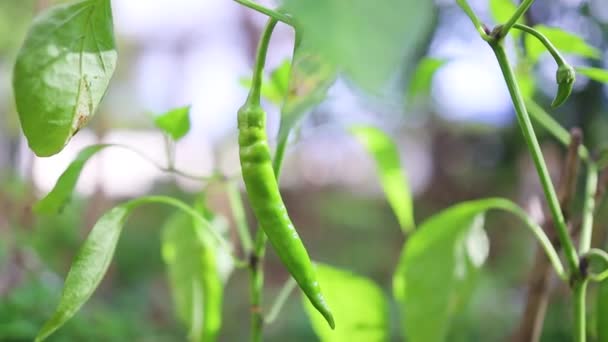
[[263, 189]]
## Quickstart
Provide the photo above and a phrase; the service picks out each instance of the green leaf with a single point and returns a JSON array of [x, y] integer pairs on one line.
[[95, 255], [502, 10], [175, 123], [563, 41], [392, 177], [190, 254], [62, 72], [422, 80], [358, 304], [596, 74], [366, 40], [88, 268], [602, 312], [274, 89], [61, 193], [309, 79], [440, 261]]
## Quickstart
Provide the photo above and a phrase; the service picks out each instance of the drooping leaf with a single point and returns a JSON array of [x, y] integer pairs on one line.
[[88, 268], [62, 72], [309, 79], [95, 256], [602, 312], [196, 285], [596, 74], [61, 193], [440, 261], [563, 41], [366, 40], [392, 177], [359, 305], [175, 123], [421, 82]]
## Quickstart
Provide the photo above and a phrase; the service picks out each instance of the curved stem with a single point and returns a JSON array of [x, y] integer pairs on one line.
[[474, 19], [559, 59], [588, 209], [260, 61], [533, 146], [269, 12], [600, 255], [521, 10]]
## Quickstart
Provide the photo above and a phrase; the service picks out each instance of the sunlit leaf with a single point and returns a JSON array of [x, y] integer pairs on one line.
[[196, 285], [436, 269], [88, 268], [367, 40], [62, 72], [359, 305], [62, 191], [94, 257], [596, 74], [392, 177], [563, 41], [502, 10], [422, 80], [175, 123], [309, 79]]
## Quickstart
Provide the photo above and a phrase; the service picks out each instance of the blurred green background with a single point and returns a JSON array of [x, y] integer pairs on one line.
[[461, 144]]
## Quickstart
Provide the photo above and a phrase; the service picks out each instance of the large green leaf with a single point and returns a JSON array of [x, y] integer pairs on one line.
[[367, 40], [61, 193], [440, 261], [564, 41], [175, 123], [88, 268], [392, 177], [359, 306], [190, 254], [93, 259], [310, 77], [596, 74], [62, 72]]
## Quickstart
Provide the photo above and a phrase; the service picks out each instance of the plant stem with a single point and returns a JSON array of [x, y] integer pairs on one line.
[[534, 148], [286, 290], [588, 209], [579, 293], [521, 10], [476, 22], [269, 12], [559, 59], [242, 228]]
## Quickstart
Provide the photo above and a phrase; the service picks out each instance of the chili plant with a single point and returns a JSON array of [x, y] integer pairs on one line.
[[65, 67]]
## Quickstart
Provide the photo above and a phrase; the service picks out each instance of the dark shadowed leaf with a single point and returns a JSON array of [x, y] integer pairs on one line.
[[565, 42], [88, 268], [367, 40], [62, 72], [175, 123], [61, 193], [359, 305], [392, 177]]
